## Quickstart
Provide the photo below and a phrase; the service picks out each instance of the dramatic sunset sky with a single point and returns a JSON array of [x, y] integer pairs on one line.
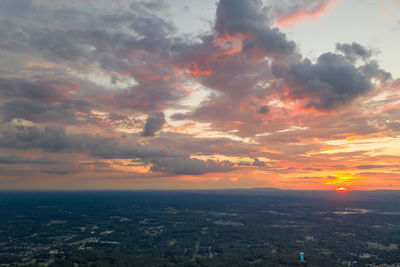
[[174, 94]]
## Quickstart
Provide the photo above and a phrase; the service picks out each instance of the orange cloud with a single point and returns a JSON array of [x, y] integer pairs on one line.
[[306, 15], [45, 65]]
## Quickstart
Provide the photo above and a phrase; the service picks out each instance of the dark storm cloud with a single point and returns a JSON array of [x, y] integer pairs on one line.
[[57, 140], [154, 123], [354, 51], [249, 20], [328, 84]]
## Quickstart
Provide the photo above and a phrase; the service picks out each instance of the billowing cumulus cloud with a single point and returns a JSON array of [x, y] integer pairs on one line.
[[328, 84], [250, 21]]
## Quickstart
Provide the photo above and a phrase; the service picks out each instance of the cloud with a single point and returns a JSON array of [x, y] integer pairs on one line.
[[195, 166], [372, 70], [154, 123], [259, 163], [288, 13], [72, 101], [155, 5], [328, 84], [227, 114], [79, 77], [14, 159], [370, 166], [40, 90], [354, 51], [44, 101], [64, 170], [38, 112], [256, 163], [251, 22], [264, 109], [58, 140], [100, 164], [134, 38], [312, 169]]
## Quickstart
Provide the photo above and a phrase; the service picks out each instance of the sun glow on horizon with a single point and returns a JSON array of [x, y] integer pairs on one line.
[[342, 189]]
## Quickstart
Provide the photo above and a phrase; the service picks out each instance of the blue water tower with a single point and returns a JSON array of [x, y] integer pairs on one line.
[[302, 256]]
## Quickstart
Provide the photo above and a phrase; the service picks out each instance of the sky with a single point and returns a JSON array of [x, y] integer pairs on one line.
[[173, 94]]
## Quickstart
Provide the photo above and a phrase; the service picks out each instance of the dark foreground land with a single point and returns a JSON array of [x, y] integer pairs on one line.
[[200, 228]]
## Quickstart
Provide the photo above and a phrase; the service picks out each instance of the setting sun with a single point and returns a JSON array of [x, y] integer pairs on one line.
[[341, 189]]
